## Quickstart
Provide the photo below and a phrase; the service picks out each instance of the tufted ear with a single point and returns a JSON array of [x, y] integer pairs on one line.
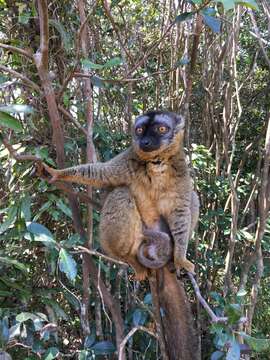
[[180, 121]]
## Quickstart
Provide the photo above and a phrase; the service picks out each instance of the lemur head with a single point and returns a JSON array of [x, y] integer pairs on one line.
[[156, 133]]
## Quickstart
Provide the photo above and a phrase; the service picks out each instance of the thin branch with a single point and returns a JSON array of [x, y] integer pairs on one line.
[[21, 76], [44, 35], [210, 312], [260, 40], [129, 335], [126, 80], [82, 249], [26, 53], [68, 115]]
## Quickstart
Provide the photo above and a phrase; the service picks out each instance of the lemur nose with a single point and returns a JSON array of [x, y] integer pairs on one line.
[[146, 142]]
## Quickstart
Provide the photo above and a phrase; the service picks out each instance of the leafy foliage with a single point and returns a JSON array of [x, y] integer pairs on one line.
[[140, 62]]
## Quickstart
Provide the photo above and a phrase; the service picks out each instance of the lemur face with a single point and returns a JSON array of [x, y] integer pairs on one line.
[[156, 130]]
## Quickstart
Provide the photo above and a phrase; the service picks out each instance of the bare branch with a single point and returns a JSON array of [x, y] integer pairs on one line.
[[21, 76], [82, 249], [26, 53], [129, 335], [210, 312]]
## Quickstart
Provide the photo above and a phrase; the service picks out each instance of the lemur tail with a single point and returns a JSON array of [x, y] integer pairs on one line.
[[156, 249]]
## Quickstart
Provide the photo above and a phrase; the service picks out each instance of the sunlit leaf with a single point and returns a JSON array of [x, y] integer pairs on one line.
[[213, 23], [17, 108], [67, 264], [9, 220], [87, 64], [234, 351], [249, 4], [40, 233], [113, 62]]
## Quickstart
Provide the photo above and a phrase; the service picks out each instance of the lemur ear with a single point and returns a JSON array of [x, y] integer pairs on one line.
[[180, 121]]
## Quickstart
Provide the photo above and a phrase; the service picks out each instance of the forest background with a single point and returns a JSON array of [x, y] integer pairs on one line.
[[74, 74]]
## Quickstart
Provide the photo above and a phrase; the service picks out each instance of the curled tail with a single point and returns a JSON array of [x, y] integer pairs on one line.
[[156, 249]]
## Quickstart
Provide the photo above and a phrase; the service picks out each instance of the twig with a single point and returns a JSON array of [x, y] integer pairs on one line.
[[82, 249], [126, 80], [257, 32], [213, 316], [72, 119], [129, 335], [21, 76], [26, 53]]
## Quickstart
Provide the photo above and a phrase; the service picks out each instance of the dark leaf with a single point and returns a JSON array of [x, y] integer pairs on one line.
[[51, 353], [184, 17], [103, 348], [217, 355]]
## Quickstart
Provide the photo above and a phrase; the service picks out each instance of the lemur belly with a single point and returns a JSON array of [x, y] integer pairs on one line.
[[152, 196]]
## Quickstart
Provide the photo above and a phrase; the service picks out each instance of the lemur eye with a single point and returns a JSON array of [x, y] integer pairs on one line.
[[163, 129], [139, 130]]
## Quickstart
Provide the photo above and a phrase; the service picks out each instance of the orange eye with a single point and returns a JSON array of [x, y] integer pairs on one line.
[[163, 129], [139, 130]]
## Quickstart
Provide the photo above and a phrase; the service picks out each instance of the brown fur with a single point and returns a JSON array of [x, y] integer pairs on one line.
[[148, 185]]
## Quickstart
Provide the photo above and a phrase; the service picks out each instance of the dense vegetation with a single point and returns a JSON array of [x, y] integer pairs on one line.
[[74, 102]]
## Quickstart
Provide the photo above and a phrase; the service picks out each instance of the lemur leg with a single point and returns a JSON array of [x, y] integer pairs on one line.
[[121, 229]]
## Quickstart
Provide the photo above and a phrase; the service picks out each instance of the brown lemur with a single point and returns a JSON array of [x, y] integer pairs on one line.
[[152, 189]]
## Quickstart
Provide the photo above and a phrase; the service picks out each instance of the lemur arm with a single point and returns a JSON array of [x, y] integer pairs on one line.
[[115, 172]]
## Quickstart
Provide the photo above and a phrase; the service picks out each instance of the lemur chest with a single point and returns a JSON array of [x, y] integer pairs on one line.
[[154, 191]]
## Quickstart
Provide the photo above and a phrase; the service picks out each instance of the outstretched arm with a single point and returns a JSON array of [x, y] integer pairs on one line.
[[115, 172]]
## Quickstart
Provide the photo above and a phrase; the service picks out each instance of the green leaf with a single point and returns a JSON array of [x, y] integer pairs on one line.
[[10, 122], [234, 351], [26, 208], [51, 353], [103, 348], [183, 61], [15, 263], [139, 317], [227, 4], [24, 316], [40, 233], [67, 264], [4, 331], [98, 82], [148, 299], [16, 108], [89, 341], [87, 64], [249, 4], [217, 355], [63, 33], [255, 344], [233, 311], [113, 62], [212, 22], [9, 220], [241, 293], [64, 208], [183, 17]]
